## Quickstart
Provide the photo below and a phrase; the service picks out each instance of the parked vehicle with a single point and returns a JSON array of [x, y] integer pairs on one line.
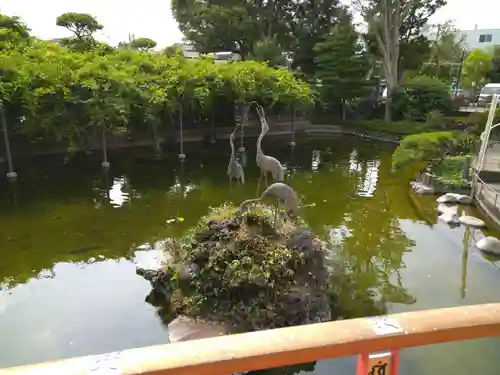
[[486, 94]]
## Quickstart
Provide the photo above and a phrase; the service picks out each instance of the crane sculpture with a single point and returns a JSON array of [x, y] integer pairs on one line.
[[234, 169], [283, 194], [266, 163]]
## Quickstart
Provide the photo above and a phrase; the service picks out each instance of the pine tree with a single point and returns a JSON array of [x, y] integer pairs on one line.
[[342, 65]]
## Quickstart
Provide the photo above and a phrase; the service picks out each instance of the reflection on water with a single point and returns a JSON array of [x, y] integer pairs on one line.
[[71, 236], [117, 195]]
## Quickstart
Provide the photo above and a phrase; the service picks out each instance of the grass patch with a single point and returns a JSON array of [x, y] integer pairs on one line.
[[449, 171]]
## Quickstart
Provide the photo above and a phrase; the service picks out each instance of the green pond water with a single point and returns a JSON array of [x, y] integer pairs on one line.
[[71, 237]]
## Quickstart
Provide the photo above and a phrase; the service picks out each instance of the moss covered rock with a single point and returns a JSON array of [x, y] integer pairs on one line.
[[239, 269]]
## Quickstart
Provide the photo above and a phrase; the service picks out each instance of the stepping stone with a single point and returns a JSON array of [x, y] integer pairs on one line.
[[489, 245], [471, 221]]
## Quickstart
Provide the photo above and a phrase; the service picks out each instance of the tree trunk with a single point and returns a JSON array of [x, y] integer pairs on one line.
[[388, 43]]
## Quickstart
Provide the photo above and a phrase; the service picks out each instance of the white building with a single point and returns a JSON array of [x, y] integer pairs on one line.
[[476, 38], [481, 38], [190, 52]]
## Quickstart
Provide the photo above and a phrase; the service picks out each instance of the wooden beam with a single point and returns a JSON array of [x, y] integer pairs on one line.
[[286, 346]]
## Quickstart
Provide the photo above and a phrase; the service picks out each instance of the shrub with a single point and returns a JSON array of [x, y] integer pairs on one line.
[[420, 95], [393, 127], [69, 96], [426, 147]]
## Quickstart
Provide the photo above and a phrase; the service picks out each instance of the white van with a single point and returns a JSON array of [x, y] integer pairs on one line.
[[487, 92]]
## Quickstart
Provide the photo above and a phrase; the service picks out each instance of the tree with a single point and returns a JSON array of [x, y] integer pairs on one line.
[[447, 45], [392, 23], [476, 69], [310, 22], [384, 19], [246, 25], [143, 44], [341, 64], [215, 28], [495, 71], [14, 24], [82, 25], [13, 32]]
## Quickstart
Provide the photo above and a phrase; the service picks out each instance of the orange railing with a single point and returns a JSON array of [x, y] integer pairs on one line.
[[287, 346]]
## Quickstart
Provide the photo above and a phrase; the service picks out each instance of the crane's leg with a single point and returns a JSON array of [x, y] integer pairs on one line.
[[230, 183], [265, 177], [258, 184], [243, 179], [278, 216]]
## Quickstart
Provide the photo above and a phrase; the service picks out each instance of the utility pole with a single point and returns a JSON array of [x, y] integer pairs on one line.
[[457, 84]]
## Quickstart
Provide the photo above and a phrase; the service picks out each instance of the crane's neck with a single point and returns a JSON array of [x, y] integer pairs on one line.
[[259, 142], [245, 203], [232, 149]]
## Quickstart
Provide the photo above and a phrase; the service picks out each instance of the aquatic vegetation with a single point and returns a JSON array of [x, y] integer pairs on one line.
[[242, 271]]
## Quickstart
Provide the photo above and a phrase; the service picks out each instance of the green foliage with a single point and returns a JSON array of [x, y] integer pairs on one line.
[[173, 51], [494, 75], [268, 50], [476, 69], [414, 99], [70, 96], [246, 26], [245, 273], [15, 25], [425, 147], [310, 22], [414, 53], [215, 28], [81, 24], [13, 32], [143, 44], [341, 64], [449, 171]]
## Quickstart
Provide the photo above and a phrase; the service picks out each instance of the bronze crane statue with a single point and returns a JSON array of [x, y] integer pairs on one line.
[[234, 169], [283, 193], [266, 163]]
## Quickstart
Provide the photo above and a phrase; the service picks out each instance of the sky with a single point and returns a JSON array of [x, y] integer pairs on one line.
[[153, 18]]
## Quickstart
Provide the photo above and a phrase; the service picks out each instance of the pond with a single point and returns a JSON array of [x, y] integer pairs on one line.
[[71, 237]]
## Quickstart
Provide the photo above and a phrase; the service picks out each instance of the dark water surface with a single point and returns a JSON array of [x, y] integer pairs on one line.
[[71, 236]]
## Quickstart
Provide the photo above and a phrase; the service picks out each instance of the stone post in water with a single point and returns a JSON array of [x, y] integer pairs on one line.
[[182, 155], [105, 163], [292, 142], [11, 174], [466, 168]]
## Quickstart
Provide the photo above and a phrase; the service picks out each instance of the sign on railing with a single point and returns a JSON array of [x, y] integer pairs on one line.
[[378, 364], [381, 363]]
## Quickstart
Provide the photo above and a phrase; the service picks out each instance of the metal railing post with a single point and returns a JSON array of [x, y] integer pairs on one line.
[[487, 131]]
